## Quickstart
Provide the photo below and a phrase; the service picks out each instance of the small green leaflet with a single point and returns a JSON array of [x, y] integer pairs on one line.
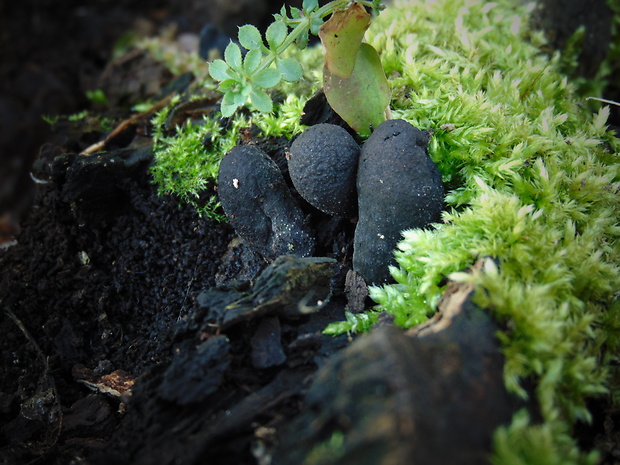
[[232, 55], [290, 69], [276, 34], [249, 37]]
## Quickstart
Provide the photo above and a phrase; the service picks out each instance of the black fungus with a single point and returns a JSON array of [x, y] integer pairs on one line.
[[399, 188], [323, 167], [260, 206]]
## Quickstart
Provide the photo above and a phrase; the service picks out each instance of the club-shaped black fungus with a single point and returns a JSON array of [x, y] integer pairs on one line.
[[260, 206], [398, 187], [323, 167]]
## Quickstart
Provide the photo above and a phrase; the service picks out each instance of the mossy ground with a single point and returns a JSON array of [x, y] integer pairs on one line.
[[532, 180]]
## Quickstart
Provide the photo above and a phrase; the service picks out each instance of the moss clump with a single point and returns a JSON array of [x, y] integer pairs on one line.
[[187, 160], [533, 181]]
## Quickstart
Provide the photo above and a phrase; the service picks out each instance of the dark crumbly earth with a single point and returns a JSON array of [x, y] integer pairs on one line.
[[106, 298], [107, 352], [115, 348], [143, 266], [87, 292]]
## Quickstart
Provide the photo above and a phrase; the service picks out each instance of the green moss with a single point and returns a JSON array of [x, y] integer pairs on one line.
[[545, 444], [165, 49], [533, 182], [187, 161], [329, 451]]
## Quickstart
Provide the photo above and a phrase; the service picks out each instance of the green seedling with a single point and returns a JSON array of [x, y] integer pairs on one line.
[[97, 97], [50, 119], [244, 79], [77, 116]]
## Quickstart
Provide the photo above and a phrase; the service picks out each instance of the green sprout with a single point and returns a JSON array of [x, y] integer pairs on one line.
[[50, 119], [97, 97], [244, 78], [78, 116]]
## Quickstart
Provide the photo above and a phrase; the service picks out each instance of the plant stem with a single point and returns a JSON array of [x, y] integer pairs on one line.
[[303, 25]]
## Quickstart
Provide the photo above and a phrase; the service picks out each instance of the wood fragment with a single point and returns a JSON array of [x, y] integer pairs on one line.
[[101, 145]]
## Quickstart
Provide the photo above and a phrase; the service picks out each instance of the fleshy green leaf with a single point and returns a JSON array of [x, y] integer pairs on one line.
[[341, 37], [228, 110], [302, 40], [362, 98], [267, 78], [290, 69], [232, 54], [219, 70], [261, 101], [240, 98], [246, 90], [353, 78], [249, 37], [275, 35], [252, 60]]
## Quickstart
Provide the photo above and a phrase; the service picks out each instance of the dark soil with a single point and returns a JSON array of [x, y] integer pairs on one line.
[[114, 310], [105, 270], [98, 283]]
